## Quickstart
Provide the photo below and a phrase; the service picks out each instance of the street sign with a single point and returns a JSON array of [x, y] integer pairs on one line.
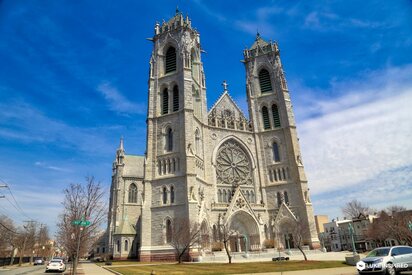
[[81, 223]]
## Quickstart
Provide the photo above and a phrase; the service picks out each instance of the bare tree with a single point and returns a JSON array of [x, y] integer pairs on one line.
[[354, 208], [225, 234], [392, 224], [184, 235], [299, 230], [81, 202], [7, 235]]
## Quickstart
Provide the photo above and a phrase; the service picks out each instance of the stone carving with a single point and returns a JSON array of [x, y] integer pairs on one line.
[[240, 203], [233, 165]]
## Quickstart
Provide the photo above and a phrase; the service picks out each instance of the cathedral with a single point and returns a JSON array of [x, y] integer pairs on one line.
[[215, 167]]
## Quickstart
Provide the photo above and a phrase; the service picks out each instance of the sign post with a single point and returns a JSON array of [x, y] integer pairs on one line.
[[81, 223]]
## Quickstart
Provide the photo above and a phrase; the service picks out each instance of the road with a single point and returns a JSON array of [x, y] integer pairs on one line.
[[27, 270]]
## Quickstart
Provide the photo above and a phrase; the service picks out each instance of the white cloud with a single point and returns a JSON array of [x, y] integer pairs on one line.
[[364, 135], [51, 167], [118, 102]]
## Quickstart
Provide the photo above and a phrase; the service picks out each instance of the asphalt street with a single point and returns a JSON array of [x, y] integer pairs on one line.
[[27, 270]]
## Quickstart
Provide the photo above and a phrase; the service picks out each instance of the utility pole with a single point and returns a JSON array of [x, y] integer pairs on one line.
[[29, 229]]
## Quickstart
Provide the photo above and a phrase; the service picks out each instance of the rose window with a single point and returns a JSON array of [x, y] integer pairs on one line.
[[233, 165]]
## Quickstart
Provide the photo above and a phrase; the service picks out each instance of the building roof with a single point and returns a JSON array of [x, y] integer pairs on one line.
[[259, 42], [224, 102], [133, 166]]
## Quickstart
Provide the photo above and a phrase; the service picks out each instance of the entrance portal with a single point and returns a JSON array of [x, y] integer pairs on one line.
[[245, 236]]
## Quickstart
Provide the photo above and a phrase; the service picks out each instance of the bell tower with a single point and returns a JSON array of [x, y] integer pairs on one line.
[[177, 110], [281, 171]]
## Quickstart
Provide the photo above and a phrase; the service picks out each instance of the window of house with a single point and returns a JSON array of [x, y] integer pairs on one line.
[[264, 81], [164, 197], [172, 194], [168, 231], [169, 140], [132, 193], [165, 102], [276, 155], [175, 98], [275, 114], [265, 117], [170, 64]]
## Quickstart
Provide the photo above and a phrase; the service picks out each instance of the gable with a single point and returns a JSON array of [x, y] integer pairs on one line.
[[226, 106]]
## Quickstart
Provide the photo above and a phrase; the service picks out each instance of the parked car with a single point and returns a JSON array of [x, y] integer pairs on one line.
[[38, 261], [386, 260], [56, 265]]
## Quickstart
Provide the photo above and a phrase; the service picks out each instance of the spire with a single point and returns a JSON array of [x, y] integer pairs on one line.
[[177, 9], [121, 146]]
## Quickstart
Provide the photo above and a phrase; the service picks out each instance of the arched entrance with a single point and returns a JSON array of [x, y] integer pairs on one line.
[[285, 233], [244, 232]]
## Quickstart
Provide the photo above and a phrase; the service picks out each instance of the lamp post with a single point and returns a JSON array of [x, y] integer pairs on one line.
[[287, 243], [351, 232]]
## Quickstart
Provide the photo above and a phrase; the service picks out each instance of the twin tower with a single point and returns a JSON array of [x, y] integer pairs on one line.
[[213, 167]]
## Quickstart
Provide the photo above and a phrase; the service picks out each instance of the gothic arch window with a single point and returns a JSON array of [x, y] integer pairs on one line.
[[265, 117], [119, 246], [169, 140], [164, 195], [286, 198], [279, 198], [219, 195], [264, 81], [126, 245], [132, 193], [165, 102], [168, 231], [175, 98], [276, 117], [248, 195], [172, 194], [170, 62], [252, 196], [233, 165], [224, 196], [229, 196], [276, 155]]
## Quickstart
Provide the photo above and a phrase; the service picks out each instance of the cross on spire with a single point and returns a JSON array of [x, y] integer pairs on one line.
[[224, 84]]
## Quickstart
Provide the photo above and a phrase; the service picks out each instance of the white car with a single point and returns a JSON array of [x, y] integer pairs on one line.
[[56, 265], [386, 260]]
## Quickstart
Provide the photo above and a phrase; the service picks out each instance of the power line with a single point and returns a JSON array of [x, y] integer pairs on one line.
[[14, 232], [16, 205]]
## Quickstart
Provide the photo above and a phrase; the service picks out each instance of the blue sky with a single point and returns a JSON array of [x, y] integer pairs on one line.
[[73, 79]]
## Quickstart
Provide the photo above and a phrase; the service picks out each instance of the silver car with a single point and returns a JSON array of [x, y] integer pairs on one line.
[[386, 260], [56, 265]]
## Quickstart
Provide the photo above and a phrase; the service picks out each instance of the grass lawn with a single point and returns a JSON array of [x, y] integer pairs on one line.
[[114, 263], [220, 268]]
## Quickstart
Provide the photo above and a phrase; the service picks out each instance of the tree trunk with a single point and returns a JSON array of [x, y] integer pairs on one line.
[[304, 255], [227, 252]]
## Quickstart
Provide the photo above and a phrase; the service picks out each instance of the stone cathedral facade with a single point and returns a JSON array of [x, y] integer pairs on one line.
[[213, 167]]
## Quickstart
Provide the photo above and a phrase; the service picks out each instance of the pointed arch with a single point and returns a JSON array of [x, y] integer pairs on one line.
[[279, 198], [275, 115], [286, 197], [126, 245], [170, 60], [265, 118], [132, 193], [175, 98], [275, 151], [265, 81], [172, 194], [169, 140], [165, 101], [169, 230], [164, 195]]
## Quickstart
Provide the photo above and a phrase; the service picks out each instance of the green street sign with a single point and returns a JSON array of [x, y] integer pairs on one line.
[[85, 223], [81, 223]]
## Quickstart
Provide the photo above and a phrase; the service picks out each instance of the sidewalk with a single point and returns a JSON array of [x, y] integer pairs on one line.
[[89, 268], [350, 270]]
